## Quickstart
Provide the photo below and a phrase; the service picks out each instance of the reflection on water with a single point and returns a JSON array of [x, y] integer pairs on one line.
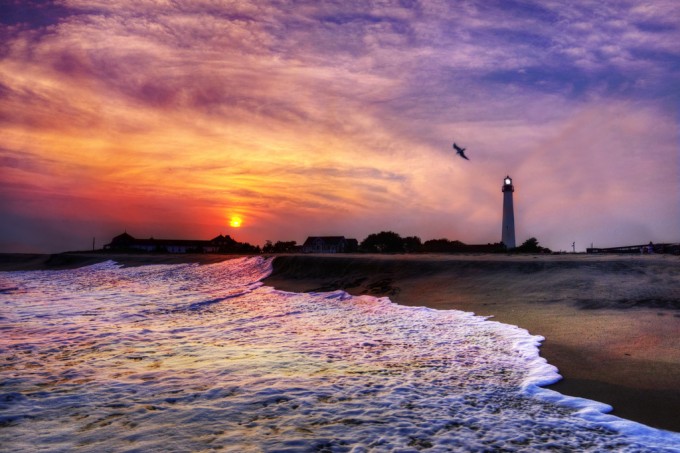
[[192, 358]]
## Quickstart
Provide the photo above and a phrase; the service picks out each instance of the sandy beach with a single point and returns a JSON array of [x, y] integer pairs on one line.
[[611, 322]]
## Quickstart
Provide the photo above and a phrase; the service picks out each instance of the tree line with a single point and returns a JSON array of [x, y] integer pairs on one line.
[[391, 242]]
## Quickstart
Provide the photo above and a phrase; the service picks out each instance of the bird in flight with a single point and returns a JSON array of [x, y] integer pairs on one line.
[[460, 151]]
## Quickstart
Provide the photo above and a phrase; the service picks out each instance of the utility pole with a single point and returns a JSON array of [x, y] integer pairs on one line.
[[573, 246]]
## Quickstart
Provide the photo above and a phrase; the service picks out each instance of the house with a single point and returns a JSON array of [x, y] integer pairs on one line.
[[329, 244], [125, 242]]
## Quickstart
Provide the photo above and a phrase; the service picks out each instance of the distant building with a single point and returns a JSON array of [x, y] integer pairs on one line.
[[329, 244], [125, 242]]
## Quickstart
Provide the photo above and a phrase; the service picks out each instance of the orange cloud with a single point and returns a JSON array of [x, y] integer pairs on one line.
[[167, 119]]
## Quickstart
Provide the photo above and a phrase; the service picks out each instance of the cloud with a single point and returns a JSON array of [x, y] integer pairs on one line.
[[308, 115]]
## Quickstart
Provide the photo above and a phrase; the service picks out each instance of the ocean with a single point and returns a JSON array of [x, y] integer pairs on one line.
[[202, 358]]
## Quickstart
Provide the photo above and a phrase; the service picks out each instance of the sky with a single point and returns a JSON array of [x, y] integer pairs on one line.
[[174, 119]]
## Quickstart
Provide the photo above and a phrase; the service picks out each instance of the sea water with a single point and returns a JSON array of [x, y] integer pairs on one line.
[[200, 358]]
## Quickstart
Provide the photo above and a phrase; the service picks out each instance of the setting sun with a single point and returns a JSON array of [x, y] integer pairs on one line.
[[235, 222]]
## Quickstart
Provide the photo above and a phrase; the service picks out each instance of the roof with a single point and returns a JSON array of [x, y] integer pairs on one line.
[[330, 240], [223, 239], [124, 240]]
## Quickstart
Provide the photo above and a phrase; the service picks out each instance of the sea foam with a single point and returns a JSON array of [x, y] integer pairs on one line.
[[193, 358]]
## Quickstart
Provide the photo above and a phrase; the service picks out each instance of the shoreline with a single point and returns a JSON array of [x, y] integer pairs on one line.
[[611, 322], [10, 262]]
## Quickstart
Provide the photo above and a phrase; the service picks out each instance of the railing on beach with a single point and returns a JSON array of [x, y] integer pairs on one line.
[[673, 248]]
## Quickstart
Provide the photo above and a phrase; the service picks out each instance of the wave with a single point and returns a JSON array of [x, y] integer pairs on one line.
[[188, 357]]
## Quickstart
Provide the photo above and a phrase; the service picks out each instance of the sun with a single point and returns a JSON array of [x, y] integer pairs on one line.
[[235, 222]]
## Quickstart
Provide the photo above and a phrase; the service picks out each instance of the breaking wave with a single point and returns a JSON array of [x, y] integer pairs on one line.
[[193, 358]]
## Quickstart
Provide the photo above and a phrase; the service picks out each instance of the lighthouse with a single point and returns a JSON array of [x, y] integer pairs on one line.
[[508, 234]]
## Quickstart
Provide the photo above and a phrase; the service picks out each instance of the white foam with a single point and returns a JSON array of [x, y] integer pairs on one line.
[[186, 357]]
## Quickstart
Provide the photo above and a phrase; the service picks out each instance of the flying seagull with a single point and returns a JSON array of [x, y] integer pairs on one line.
[[460, 151]]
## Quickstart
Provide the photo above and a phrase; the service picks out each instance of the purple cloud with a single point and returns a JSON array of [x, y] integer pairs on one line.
[[351, 106]]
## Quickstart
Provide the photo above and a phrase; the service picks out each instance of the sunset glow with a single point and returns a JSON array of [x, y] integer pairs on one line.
[[235, 222], [338, 119]]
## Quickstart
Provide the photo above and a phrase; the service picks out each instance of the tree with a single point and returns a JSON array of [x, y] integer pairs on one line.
[[412, 244], [383, 242], [279, 247], [268, 247], [284, 246], [443, 246], [531, 246]]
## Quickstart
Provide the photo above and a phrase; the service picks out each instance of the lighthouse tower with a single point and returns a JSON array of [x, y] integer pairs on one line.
[[508, 235]]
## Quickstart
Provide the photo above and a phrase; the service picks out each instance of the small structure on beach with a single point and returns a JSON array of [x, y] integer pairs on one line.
[[670, 248], [508, 230], [329, 244]]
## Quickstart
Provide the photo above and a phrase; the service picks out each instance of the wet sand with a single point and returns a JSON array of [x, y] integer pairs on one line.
[[611, 322]]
